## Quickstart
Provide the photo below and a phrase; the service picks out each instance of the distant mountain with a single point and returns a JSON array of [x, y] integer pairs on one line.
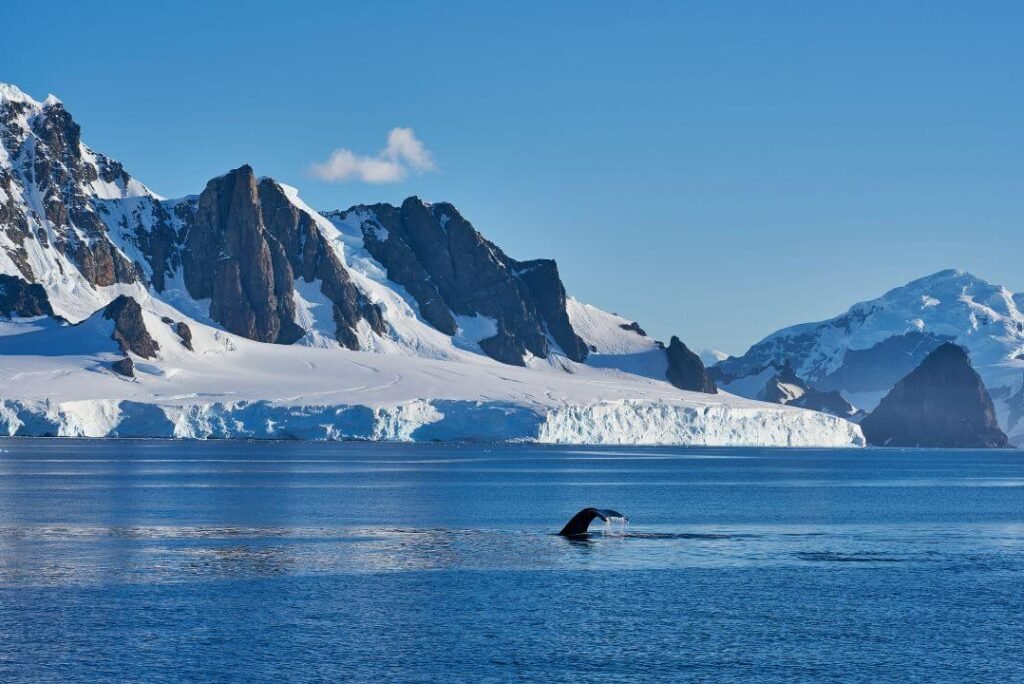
[[786, 387], [241, 311], [712, 356], [864, 352], [941, 403]]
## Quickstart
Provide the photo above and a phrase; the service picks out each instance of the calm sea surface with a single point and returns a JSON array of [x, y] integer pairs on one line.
[[150, 561]]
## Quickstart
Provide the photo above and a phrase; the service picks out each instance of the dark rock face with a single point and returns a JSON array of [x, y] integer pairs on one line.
[[124, 367], [311, 257], [450, 268], [129, 328], [505, 347], [941, 403], [831, 402], [880, 366], [404, 266], [157, 228], [229, 260], [784, 387], [545, 285], [685, 369], [243, 250], [185, 333], [635, 327], [20, 298], [1016, 404]]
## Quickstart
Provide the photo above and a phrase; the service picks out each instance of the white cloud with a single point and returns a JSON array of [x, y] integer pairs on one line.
[[404, 153]]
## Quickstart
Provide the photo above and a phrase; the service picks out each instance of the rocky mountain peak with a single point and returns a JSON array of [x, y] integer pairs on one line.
[[48, 184], [941, 403], [244, 249], [451, 270]]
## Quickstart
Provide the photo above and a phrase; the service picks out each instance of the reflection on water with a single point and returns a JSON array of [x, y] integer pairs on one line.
[[162, 561], [63, 554]]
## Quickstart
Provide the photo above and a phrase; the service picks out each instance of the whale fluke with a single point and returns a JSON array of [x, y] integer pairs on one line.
[[581, 521]]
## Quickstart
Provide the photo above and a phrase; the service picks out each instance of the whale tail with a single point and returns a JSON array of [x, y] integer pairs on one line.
[[579, 523]]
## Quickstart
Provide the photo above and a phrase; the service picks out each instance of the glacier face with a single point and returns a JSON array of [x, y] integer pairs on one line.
[[622, 422], [379, 323]]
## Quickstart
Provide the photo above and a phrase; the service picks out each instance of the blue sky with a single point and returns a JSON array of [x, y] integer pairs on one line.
[[714, 170]]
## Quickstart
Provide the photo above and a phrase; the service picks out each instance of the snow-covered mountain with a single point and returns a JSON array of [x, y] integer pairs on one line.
[[865, 351], [241, 311]]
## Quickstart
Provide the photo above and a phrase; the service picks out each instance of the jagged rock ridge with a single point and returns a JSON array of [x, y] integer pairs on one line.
[[451, 270], [47, 186], [242, 244]]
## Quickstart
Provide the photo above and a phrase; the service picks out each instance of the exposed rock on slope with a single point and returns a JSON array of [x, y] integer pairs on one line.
[[19, 298], [185, 334], [246, 246], [125, 367], [451, 270], [786, 387], [129, 328], [53, 175], [942, 403], [783, 387], [685, 369], [831, 402]]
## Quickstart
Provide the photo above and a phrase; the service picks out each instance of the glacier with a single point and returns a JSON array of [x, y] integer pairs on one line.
[[57, 382]]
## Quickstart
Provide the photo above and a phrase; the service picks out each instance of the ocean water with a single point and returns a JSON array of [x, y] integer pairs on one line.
[[152, 561]]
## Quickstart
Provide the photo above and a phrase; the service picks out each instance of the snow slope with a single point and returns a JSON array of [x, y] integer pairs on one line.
[[57, 381]]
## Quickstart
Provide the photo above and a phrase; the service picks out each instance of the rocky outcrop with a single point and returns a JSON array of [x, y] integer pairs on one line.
[[125, 367], [451, 270], [941, 403], [634, 327], [130, 331], [185, 334], [786, 387], [244, 250], [21, 298], [831, 402], [685, 369], [181, 329]]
